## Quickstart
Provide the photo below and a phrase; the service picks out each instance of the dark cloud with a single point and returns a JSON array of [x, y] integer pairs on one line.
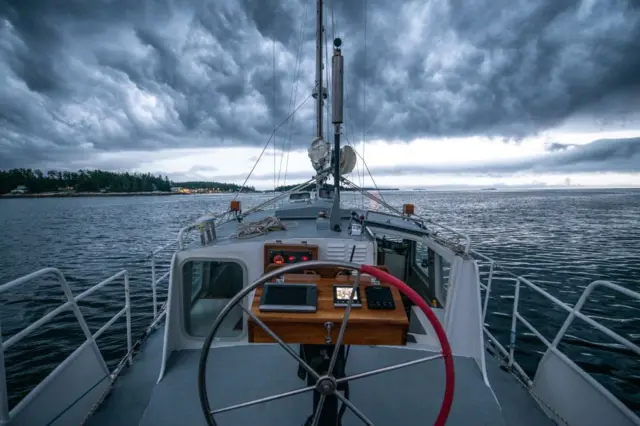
[[80, 78]]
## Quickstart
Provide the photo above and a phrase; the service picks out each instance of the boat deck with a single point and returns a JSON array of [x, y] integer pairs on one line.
[[241, 373]]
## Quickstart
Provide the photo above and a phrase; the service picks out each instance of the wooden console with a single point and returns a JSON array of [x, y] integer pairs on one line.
[[365, 327]]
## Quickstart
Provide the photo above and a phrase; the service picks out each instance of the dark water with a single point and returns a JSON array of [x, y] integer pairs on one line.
[[560, 239]]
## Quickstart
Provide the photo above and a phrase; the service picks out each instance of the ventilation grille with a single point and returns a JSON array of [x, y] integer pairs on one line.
[[342, 252]]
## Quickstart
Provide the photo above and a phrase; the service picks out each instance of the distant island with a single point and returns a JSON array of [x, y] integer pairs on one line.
[[22, 183], [34, 183]]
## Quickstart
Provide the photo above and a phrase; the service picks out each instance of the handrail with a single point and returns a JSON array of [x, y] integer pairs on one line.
[[71, 303], [578, 306], [282, 195], [186, 229], [398, 213], [573, 312], [154, 281], [552, 346]]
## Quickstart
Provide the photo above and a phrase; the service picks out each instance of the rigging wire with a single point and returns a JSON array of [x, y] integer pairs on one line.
[[364, 90], [273, 111], [364, 163], [267, 145], [293, 95], [326, 72]]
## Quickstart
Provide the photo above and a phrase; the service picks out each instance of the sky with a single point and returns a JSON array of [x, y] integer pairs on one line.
[[437, 93]]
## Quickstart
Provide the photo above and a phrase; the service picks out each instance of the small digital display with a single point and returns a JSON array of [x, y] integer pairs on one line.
[[343, 294]]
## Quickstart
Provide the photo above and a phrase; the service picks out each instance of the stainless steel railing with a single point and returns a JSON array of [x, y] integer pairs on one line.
[[70, 304], [573, 312]]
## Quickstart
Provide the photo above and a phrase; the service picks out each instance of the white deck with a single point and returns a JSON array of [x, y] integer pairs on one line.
[[409, 396]]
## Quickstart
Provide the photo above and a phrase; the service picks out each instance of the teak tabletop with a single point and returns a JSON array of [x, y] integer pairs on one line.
[[365, 327]]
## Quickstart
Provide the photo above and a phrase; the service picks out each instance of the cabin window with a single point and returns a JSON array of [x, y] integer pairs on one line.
[[208, 287], [196, 279], [325, 193], [421, 259]]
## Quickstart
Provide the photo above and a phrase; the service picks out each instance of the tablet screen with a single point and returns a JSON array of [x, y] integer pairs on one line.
[[285, 294]]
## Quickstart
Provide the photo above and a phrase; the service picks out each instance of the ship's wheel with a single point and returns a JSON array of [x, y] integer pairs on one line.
[[326, 384]]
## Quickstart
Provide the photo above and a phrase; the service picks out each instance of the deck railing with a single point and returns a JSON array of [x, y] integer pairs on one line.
[[70, 304], [158, 280], [573, 313]]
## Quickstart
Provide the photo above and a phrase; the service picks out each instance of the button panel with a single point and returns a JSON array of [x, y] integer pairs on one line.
[[380, 297]]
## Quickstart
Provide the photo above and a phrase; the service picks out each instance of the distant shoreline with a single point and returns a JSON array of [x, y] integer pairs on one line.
[[88, 194]]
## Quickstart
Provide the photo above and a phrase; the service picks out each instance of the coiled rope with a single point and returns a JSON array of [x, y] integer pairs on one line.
[[262, 227]]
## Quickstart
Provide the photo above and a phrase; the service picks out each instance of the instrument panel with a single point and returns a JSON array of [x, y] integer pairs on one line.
[[283, 254]]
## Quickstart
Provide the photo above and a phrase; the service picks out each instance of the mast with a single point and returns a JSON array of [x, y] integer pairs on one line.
[[319, 92], [337, 83]]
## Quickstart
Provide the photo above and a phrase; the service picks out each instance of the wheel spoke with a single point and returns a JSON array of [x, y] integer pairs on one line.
[[343, 326], [318, 413], [262, 400], [389, 368], [281, 343], [353, 408]]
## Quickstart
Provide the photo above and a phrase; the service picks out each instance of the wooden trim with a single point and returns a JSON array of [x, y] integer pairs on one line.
[[365, 327]]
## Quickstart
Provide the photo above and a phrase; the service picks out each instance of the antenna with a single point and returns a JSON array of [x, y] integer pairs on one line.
[[337, 80]]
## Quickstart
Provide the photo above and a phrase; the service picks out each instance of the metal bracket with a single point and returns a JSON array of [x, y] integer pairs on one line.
[[328, 326]]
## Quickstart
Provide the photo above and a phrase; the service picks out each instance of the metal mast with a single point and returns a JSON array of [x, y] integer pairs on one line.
[[319, 93], [337, 89]]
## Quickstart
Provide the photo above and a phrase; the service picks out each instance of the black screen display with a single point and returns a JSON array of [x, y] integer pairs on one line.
[[285, 294]]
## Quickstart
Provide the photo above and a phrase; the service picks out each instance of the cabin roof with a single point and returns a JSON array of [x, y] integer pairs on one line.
[[302, 220]]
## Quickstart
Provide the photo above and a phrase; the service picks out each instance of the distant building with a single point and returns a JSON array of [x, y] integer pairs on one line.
[[20, 189], [180, 190]]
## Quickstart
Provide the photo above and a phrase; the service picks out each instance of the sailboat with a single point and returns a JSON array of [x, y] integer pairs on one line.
[[309, 313]]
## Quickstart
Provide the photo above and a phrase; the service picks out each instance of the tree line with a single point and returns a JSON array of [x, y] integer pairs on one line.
[[36, 181], [220, 186]]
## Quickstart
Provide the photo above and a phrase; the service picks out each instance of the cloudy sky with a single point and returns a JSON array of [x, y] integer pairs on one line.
[[474, 92]]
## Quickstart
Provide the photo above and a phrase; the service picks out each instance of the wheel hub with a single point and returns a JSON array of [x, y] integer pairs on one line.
[[326, 385]]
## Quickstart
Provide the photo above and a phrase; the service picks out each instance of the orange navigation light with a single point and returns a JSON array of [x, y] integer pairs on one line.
[[278, 259], [408, 209], [235, 206]]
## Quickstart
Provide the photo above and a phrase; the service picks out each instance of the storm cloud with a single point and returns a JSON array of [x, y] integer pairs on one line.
[[79, 78]]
